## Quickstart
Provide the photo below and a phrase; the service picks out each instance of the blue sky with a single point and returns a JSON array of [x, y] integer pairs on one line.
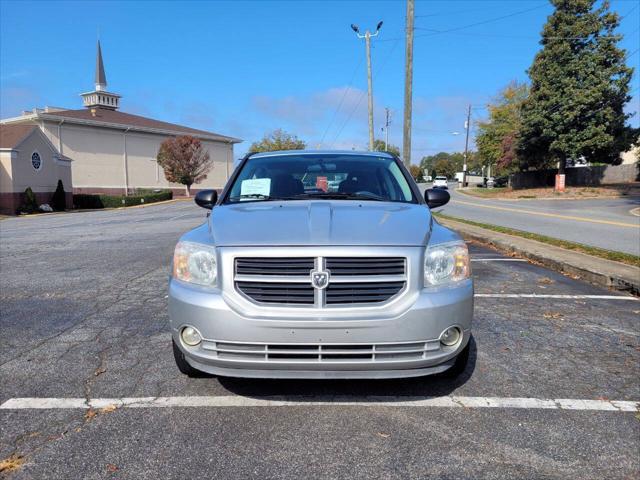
[[245, 68]]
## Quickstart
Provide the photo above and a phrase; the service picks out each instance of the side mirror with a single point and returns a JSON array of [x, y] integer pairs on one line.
[[436, 197], [206, 198]]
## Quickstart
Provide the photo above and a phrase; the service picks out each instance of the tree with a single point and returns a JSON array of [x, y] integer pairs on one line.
[[579, 87], [378, 146], [278, 140], [416, 173], [184, 160], [445, 168], [30, 203], [59, 200], [443, 163], [497, 136]]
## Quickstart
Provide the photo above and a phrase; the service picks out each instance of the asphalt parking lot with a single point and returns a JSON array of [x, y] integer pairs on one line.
[[551, 391]]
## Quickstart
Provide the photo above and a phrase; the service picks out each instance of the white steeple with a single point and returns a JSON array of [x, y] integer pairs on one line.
[[100, 98]]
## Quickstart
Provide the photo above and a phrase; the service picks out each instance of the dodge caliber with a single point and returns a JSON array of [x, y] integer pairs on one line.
[[316, 264]]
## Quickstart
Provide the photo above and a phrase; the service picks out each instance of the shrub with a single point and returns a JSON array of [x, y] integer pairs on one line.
[[113, 201], [30, 204], [58, 201]]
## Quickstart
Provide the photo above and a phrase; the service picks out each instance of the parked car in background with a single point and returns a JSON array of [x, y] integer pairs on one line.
[[496, 182], [440, 182], [286, 279]]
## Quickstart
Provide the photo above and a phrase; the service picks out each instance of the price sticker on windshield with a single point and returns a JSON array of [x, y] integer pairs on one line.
[[255, 187], [322, 183]]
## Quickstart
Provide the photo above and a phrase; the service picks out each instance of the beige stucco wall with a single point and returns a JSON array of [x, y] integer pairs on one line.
[[631, 156], [6, 179], [98, 156], [44, 180]]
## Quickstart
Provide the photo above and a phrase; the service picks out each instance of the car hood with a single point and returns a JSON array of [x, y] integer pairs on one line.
[[322, 222]]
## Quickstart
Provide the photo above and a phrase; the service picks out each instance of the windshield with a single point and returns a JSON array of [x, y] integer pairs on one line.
[[331, 176]]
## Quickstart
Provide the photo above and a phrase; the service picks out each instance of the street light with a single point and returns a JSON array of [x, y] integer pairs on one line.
[[367, 37]]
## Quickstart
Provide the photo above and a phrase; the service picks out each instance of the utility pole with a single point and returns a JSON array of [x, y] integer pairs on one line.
[[466, 147], [408, 86], [367, 40], [386, 130]]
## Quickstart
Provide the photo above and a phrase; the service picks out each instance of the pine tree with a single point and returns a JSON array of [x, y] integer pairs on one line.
[[579, 86], [58, 200]]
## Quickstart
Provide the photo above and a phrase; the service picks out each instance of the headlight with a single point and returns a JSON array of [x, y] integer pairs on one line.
[[195, 263], [446, 263]]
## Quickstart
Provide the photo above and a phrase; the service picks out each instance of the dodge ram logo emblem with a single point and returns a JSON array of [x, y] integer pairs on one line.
[[320, 279]]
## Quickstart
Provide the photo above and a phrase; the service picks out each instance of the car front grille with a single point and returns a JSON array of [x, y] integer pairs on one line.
[[275, 266], [338, 293], [321, 353], [271, 292], [351, 280], [365, 266]]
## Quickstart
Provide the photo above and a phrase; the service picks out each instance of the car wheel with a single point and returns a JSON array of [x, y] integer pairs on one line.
[[460, 364], [182, 363]]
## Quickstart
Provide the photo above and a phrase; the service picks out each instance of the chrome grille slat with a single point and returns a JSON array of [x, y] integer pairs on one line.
[[339, 266], [337, 293], [287, 293], [352, 280], [274, 266]]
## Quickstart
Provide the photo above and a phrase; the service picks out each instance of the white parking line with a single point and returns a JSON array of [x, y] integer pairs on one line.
[[540, 295], [296, 401]]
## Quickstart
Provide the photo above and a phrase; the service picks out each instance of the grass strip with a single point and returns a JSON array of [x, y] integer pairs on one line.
[[578, 247]]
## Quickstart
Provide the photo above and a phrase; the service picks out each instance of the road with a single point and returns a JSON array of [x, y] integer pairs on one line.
[[604, 223], [84, 319]]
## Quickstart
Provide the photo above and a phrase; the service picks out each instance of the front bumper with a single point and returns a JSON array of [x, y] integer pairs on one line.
[[403, 345]]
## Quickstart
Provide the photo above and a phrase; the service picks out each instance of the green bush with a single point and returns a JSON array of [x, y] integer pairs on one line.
[[113, 201], [30, 204], [58, 201]]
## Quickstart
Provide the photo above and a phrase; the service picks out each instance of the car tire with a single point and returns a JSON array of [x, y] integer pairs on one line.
[[182, 363], [461, 362]]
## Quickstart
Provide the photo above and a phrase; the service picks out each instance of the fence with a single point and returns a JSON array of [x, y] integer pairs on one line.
[[578, 176]]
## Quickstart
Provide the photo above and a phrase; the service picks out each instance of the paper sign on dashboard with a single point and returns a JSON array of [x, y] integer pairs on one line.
[[255, 186]]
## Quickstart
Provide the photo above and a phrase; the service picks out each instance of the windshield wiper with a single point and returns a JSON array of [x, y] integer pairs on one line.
[[339, 195], [252, 196]]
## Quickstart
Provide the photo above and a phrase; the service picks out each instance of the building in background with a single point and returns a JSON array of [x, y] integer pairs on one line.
[[109, 151], [29, 159]]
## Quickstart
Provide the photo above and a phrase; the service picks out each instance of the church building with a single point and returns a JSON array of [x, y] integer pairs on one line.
[[105, 149]]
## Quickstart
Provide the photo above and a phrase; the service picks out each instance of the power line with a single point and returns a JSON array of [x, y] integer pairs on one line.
[[433, 31], [344, 95], [483, 22], [629, 12], [458, 12], [527, 37], [386, 60]]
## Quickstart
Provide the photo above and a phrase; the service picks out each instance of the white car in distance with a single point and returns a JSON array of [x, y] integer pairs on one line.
[[440, 182]]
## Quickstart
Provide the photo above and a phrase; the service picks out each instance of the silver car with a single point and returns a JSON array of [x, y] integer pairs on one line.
[[293, 279]]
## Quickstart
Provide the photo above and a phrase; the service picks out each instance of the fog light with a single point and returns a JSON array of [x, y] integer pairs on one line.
[[450, 336], [190, 336]]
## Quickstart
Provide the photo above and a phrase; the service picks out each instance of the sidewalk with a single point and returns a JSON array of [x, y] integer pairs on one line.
[[606, 273]]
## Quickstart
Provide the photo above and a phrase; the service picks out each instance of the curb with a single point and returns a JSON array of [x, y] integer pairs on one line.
[[86, 210], [506, 199], [598, 271]]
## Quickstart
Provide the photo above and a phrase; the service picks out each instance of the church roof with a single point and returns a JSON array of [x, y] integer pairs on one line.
[[114, 118], [101, 77], [12, 135]]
